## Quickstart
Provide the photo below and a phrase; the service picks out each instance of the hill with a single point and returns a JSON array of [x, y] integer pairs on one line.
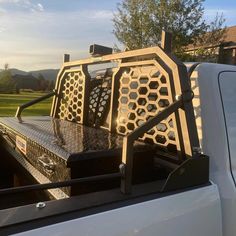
[[40, 80], [48, 74], [18, 72]]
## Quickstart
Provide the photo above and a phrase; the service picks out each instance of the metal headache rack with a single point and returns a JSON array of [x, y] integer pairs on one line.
[[132, 117]]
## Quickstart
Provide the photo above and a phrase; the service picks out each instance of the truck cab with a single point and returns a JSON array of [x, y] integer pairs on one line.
[[214, 87]]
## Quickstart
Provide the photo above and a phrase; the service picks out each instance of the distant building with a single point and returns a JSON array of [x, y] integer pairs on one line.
[[225, 53], [26, 81]]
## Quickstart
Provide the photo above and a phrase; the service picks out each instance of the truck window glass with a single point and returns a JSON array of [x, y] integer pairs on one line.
[[228, 91]]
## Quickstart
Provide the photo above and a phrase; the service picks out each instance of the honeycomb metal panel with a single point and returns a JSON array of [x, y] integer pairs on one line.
[[72, 96], [144, 92], [197, 104], [177, 132], [73, 91], [99, 101]]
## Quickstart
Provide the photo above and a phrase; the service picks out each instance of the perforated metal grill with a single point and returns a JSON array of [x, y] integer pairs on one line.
[[149, 85], [72, 96], [75, 96], [143, 93], [99, 101], [196, 104]]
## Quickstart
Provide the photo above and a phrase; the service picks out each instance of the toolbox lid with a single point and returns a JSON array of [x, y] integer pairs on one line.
[[67, 140]]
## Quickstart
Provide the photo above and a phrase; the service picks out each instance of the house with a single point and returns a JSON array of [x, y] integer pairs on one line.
[[225, 52]]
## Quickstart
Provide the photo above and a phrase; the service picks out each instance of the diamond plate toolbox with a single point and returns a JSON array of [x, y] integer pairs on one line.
[[63, 150]]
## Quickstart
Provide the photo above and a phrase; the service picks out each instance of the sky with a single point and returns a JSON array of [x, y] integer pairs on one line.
[[34, 34]]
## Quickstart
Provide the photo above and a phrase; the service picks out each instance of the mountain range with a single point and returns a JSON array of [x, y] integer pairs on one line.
[[39, 80], [48, 74]]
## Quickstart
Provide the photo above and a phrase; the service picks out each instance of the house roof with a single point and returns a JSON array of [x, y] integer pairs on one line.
[[229, 40], [230, 35]]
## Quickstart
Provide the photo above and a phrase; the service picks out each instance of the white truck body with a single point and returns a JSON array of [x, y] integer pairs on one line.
[[182, 214], [212, 128], [205, 211]]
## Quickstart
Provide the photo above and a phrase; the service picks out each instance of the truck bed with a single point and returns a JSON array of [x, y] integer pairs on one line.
[[112, 213]]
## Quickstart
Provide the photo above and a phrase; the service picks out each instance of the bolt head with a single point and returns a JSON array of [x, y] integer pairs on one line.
[[197, 150], [178, 97], [122, 169], [40, 205]]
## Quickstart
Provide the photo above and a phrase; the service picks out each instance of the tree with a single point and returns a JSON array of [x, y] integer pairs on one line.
[[7, 85], [138, 23], [132, 23], [6, 66], [210, 41], [51, 85], [42, 83]]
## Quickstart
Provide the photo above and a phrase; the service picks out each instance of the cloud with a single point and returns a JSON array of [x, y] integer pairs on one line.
[[23, 5], [2, 29], [2, 11], [39, 39], [101, 14], [40, 7]]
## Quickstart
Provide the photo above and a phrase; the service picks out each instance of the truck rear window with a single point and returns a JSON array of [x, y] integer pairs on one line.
[[227, 82]]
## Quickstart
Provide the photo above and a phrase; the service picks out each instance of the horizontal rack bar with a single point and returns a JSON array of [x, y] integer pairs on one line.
[[58, 184]]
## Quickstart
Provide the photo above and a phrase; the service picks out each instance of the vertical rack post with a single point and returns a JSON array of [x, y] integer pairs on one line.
[[66, 58], [166, 41]]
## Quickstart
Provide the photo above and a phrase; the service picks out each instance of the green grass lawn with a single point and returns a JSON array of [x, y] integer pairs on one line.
[[10, 102]]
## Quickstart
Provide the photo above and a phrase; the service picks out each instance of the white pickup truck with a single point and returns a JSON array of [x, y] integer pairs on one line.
[[208, 209]]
